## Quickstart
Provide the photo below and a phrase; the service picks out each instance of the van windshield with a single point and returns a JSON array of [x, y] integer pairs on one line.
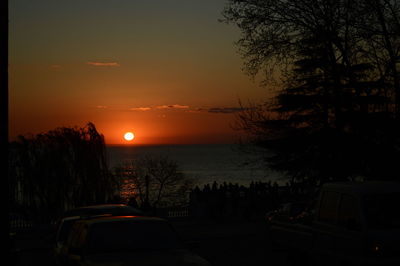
[[382, 211]]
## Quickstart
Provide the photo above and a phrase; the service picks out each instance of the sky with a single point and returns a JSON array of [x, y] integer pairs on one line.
[[166, 70]]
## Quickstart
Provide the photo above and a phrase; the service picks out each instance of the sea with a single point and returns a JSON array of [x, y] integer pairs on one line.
[[204, 163]]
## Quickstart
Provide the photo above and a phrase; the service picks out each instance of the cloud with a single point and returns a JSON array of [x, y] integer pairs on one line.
[[55, 66], [174, 106], [101, 107], [187, 108], [140, 109], [198, 110], [225, 110], [160, 107], [111, 64]]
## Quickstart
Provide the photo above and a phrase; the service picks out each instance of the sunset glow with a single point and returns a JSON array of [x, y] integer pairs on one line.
[[155, 75], [129, 136]]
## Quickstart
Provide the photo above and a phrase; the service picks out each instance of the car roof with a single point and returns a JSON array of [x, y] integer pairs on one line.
[[108, 219], [70, 218], [102, 206], [368, 187], [97, 209], [85, 217]]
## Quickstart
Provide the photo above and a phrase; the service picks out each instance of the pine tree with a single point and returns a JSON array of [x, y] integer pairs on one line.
[[332, 119]]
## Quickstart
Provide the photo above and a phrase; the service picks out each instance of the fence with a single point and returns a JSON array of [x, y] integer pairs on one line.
[[178, 213], [20, 224]]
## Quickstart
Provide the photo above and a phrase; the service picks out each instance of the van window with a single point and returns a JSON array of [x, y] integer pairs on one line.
[[328, 207], [349, 213]]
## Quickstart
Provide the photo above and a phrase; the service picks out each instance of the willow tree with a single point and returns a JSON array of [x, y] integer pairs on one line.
[[62, 168], [331, 118]]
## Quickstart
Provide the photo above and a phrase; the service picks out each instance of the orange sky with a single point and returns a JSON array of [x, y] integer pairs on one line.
[[169, 73]]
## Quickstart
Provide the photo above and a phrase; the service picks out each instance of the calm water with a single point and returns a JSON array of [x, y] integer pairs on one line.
[[205, 163]]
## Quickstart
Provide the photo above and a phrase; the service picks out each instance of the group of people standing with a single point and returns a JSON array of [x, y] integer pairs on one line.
[[236, 201]]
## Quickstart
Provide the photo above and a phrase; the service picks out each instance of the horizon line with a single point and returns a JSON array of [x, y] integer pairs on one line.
[[167, 144]]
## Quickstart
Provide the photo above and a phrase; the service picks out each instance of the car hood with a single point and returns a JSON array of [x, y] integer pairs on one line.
[[147, 258]]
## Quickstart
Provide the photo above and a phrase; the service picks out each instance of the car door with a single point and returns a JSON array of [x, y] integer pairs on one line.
[[76, 245], [349, 240], [325, 227]]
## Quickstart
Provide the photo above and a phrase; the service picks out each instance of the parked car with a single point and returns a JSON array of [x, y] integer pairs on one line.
[[352, 224], [64, 228], [114, 209], [65, 222], [126, 240], [93, 210]]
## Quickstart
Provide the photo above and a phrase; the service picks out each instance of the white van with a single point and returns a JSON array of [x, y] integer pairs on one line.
[[354, 224]]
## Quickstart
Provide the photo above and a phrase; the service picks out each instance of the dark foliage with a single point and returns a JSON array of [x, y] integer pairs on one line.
[[336, 115], [58, 170], [155, 180]]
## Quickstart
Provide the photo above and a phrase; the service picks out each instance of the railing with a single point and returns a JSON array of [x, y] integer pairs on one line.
[[23, 224], [178, 213], [18, 224]]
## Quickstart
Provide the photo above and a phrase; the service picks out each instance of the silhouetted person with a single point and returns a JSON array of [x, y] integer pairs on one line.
[[214, 186]]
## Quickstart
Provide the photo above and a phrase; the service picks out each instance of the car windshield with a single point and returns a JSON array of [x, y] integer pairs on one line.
[[132, 236], [382, 211]]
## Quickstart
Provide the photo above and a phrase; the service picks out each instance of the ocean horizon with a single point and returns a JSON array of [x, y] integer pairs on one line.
[[205, 163]]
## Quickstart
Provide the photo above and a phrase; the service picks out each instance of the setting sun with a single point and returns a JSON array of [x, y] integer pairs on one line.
[[129, 136]]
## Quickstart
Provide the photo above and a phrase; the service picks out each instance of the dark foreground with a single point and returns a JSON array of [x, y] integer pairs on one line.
[[223, 243]]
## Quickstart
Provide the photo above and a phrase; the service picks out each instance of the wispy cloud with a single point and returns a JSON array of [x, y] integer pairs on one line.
[[111, 64], [197, 110], [140, 109], [101, 107], [174, 106], [160, 107], [55, 66], [225, 110]]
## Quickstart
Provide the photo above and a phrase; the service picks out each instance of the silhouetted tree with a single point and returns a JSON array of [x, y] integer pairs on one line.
[[59, 169], [156, 181], [332, 117], [380, 27]]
